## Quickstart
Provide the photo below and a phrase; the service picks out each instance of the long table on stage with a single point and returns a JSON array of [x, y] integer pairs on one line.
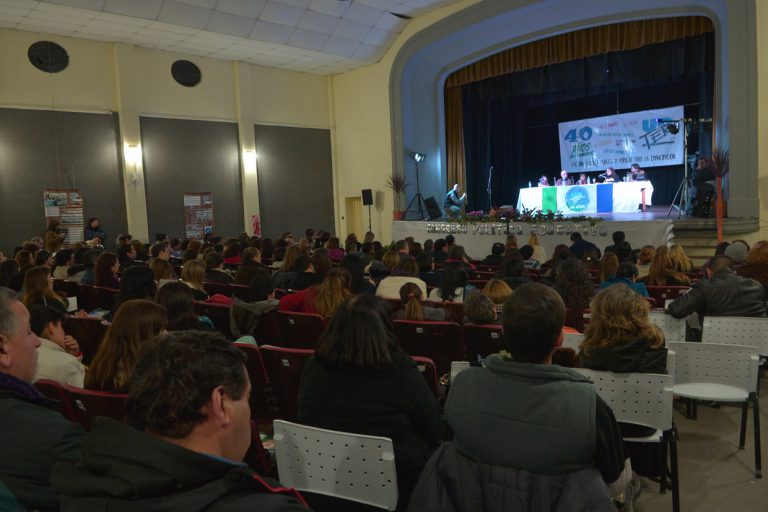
[[619, 197]]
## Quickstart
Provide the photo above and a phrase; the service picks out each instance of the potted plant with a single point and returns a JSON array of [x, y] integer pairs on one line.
[[398, 184], [720, 161]]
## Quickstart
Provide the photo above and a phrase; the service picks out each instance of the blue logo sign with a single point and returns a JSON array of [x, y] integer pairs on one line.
[[577, 199]]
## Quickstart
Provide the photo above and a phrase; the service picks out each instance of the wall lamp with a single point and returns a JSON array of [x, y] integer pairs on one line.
[[249, 161]]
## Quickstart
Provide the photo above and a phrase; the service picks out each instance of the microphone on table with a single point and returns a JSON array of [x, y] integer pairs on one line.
[[602, 175]]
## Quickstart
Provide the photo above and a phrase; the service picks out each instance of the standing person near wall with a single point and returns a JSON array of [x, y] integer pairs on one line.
[[94, 229]]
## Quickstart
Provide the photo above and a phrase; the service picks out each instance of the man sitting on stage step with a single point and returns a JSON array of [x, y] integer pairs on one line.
[[453, 204]]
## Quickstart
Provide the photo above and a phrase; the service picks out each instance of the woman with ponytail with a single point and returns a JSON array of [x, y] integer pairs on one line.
[[411, 296]]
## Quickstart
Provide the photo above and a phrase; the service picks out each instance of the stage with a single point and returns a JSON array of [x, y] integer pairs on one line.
[[652, 227]]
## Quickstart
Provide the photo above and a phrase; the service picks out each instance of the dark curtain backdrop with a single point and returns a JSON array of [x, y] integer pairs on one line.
[[510, 121]]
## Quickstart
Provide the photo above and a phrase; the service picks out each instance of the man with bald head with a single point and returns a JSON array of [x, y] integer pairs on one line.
[[35, 436]]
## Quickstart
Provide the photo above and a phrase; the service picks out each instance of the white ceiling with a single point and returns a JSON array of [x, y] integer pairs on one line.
[[315, 36]]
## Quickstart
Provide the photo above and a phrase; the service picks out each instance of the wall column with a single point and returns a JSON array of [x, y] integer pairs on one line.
[[247, 141], [131, 162]]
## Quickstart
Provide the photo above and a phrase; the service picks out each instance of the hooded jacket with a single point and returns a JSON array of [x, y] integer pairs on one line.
[[125, 469]]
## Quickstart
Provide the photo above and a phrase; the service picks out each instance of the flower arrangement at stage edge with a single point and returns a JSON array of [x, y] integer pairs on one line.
[[525, 215], [398, 185], [720, 162]]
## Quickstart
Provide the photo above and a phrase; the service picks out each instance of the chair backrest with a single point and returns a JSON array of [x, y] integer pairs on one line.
[[55, 391], [88, 332], [354, 467], [300, 330], [263, 404], [240, 291], [709, 363], [88, 404], [219, 315], [87, 298], [454, 310], [428, 371], [220, 288], [575, 318], [481, 341], [268, 331], [68, 288], [639, 398], [105, 297], [736, 330], [284, 368], [572, 340], [662, 293], [395, 304], [673, 328], [439, 341]]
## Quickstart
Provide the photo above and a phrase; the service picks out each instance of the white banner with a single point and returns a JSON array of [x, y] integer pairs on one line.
[[621, 140]]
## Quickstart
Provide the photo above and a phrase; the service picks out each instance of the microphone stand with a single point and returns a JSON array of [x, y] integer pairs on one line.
[[490, 188], [684, 190]]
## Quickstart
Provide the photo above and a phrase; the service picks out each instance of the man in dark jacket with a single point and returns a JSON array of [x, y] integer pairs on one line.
[[551, 419], [724, 293], [580, 245], [34, 436], [176, 454]]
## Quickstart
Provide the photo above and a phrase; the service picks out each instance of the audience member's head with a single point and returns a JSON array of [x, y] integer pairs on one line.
[[18, 344], [214, 261], [627, 270], [38, 286], [406, 267], [65, 258], [411, 297], [261, 288], [737, 251], [193, 273], [161, 250], [425, 261], [390, 260], [609, 264], [334, 290], [43, 259], [479, 309], [721, 247], [758, 255], [457, 253], [623, 251], [679, 259], [320, 262], [647, 252], [440, 245], [498, 291], [356, 267], [526, 251], [191, 389], [178, 301], [718, 263], [497, 249], [135, 324], [533, 321], [105, 271], [48, 322], [575, 237], [452, 282], [359, 336], [618, 237], [620, 316], [137, 283], [574, 285]]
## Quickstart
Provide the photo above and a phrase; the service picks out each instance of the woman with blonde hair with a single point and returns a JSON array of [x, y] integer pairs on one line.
[[38, 289], [391, 259], [163, 271], [539, 253], [322, 299], [498, 291], [644, 258], [411, 296], [620, 336], [662, 273], [679, 259], [193, 275], [136, 323], [609, 264]]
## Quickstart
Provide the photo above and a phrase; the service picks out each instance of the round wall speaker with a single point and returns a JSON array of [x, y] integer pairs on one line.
[[186, 73], [48, 57]]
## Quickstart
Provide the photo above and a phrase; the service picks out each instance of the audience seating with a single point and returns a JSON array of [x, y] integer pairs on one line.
[[88, 332], [67, 288], [220, 288], [54, 391], [478, 283], [88, 404], [429, 372], [721, 373], [455, 310], [480, 341], [736, 330], [263, 404], [240, 291], [353, 467], [280, 293], [268, 331], [105, 297], [673, 328], [300, 330], [284, 368], [576, 318], [439, 341], [395, 305], [480, 275], [219, 315], [643, 399], [661, 293], [87, 298]]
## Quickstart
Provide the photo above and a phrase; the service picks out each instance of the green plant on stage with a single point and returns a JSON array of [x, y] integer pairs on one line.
[[720, 161], [398, 185]]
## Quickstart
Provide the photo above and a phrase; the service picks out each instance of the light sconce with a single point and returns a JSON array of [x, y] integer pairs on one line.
[[249, 161], [132, 161]]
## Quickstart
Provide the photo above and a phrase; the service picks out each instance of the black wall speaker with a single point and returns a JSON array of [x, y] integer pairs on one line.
[[432, 208], [367, 196]]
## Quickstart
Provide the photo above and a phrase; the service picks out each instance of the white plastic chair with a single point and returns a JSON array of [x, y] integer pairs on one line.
[[354, 467], [571, 340], [736, 330], [457, 367], [721, 373], [643, 399], [673, 328]]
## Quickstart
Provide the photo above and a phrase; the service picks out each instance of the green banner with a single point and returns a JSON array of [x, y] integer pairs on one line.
[[549, 199]]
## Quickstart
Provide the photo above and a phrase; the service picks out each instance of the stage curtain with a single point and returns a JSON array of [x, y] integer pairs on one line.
[[511, 122], [455, 138], [558, 49]]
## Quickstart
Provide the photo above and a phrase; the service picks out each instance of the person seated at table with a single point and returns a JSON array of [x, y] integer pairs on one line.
[[636, 173], [564, 180], [543, 181], [583, 180], [609, 176]]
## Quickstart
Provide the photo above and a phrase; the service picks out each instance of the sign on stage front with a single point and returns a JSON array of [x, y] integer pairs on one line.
[[619, 141]]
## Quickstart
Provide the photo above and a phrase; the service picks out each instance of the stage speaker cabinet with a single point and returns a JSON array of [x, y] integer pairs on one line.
[[367, 197], [432, 208]]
